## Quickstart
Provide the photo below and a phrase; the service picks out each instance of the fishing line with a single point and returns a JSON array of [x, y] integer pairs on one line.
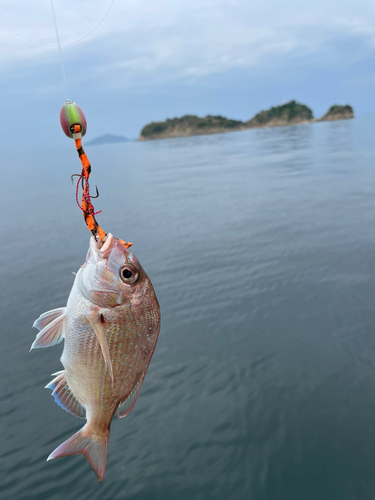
[[58, 43], [73, 123], [62, 45]]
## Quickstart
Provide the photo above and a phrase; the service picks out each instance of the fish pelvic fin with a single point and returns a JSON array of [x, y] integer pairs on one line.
[[95, 320], [64, 396], [51, 326], [92, 444]]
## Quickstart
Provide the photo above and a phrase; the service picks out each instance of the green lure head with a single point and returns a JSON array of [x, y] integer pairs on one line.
[[71, 114]]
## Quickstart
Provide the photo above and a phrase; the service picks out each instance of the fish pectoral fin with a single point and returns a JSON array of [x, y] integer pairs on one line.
[[128, 404], [95, 320], [64, 396], [51, 326], [47, 317]]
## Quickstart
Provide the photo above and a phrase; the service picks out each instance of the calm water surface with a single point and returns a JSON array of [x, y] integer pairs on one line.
[[261, 248]]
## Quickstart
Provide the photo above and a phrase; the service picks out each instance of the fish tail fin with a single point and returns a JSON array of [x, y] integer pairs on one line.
[[93, 445]]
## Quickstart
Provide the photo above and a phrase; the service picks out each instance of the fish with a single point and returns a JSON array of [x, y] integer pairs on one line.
[[110, 327]]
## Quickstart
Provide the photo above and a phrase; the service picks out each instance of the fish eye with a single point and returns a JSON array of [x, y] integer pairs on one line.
[[129, 274], [126, 273]]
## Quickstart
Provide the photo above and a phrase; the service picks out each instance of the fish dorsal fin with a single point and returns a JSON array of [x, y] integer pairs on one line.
[[128, 404], [64, 396], [51, 325], [95, 320]]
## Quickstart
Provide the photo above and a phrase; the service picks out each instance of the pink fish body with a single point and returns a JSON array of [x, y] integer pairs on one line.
[[110, 326]]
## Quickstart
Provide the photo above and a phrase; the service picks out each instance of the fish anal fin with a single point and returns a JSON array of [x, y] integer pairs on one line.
[[95, 320], [52, 332], [64, 396], [126, 406]]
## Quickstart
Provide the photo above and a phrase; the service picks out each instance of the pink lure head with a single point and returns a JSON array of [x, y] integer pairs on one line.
[[71, 114]]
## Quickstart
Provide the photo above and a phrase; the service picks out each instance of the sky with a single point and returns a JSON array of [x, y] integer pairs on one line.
[[155, 59]]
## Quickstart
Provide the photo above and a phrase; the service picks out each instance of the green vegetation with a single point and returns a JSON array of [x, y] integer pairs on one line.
[[287, 113], [218, 121], [189, 122], [154, 128], [338, 110]]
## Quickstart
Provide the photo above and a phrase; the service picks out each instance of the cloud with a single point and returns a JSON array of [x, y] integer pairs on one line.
[[142, 42]]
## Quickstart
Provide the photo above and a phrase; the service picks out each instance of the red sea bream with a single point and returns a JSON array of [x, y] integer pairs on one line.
[[110, 327]]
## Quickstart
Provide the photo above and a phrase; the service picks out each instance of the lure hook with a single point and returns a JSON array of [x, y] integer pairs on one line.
[[77, 175], [97, 193]]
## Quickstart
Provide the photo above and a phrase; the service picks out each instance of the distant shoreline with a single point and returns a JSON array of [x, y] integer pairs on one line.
[[291, 113], [107, 139]]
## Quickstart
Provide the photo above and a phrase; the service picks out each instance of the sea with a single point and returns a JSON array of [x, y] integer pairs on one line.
[[260, 245]]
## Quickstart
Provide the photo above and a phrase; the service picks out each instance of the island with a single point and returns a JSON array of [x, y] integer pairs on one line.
[[337, 112], [291, 113], [107, 139]]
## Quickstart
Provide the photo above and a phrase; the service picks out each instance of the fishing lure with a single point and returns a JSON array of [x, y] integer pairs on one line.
[[74, 125], [110, 327]]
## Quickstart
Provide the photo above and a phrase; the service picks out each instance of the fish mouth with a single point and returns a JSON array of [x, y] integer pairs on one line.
[[107, 242], [102, 247]]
